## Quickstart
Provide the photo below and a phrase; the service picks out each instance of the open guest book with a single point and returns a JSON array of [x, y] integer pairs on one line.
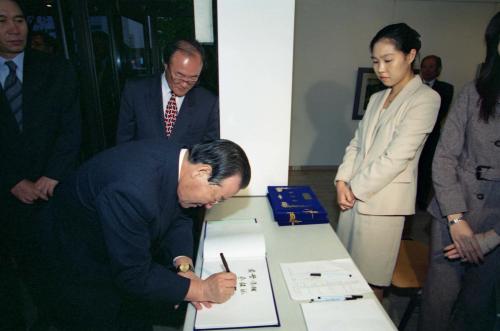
[[244, 248]]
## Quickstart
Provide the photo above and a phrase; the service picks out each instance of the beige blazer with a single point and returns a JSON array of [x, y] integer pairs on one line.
[[381, 161]]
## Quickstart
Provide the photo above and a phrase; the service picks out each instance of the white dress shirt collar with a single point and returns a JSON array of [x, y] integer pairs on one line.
[[166, 93], [430, 83], [181, 158]]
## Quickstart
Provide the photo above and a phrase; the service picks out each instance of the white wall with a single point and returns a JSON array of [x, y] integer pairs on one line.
[[255, 84], [331, 42]]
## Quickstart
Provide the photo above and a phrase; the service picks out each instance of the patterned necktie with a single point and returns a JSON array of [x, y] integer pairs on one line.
[[13, 93], [170, 115]]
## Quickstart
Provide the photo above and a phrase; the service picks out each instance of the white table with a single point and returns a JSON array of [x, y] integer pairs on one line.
[[283, 244]]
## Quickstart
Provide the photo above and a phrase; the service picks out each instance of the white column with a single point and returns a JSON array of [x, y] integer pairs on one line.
[[255, 39]]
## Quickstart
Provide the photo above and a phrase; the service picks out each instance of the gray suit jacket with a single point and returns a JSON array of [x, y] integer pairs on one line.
[[467, 142]]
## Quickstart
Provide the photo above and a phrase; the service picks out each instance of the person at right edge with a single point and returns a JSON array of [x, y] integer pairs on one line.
[[462, 285], [377, 180]]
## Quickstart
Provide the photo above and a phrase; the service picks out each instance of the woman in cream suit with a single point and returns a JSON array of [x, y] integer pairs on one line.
[[376, 182]]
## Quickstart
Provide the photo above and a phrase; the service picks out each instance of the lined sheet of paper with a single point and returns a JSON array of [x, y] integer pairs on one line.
[[337, 277]]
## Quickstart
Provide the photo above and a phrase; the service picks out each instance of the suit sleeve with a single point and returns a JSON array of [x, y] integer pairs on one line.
[[124, 220], [9, 177], [346, 169], [179, 239], [408, 137], [213, 126], [449, 192], [126, 119], [66, 149]]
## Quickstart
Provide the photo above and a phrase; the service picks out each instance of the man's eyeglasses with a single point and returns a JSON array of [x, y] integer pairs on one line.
[[180, 78], [218, 201]]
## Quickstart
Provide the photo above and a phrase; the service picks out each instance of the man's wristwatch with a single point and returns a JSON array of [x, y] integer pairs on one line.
[[455, 220], [184, 267]]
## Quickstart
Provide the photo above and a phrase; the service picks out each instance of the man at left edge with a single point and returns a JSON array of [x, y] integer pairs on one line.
[[39, 146]]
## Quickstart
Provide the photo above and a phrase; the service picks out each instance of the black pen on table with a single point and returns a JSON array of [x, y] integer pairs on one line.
[[224, 262], [319, 274]]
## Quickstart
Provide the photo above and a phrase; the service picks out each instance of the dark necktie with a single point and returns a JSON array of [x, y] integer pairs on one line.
[[13, 93], [170, 115]]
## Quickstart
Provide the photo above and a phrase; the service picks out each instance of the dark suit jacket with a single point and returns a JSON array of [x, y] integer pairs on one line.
[[141, 114], [445, 91], [49, 144], [116, 226]]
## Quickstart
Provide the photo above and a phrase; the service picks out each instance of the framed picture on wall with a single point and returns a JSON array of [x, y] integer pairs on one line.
[[367, 83]]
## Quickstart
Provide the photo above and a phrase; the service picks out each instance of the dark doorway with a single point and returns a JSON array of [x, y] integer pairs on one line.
[[112, 41]]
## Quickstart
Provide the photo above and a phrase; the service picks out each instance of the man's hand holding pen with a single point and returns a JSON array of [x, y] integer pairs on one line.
[[220, 286], [217, 288], [225, 283]]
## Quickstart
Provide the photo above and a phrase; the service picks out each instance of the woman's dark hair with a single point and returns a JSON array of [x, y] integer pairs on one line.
[[488, 81], [404, 38], [226, 159]]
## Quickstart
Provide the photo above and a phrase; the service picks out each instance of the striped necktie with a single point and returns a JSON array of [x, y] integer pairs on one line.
[[13, 93]]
